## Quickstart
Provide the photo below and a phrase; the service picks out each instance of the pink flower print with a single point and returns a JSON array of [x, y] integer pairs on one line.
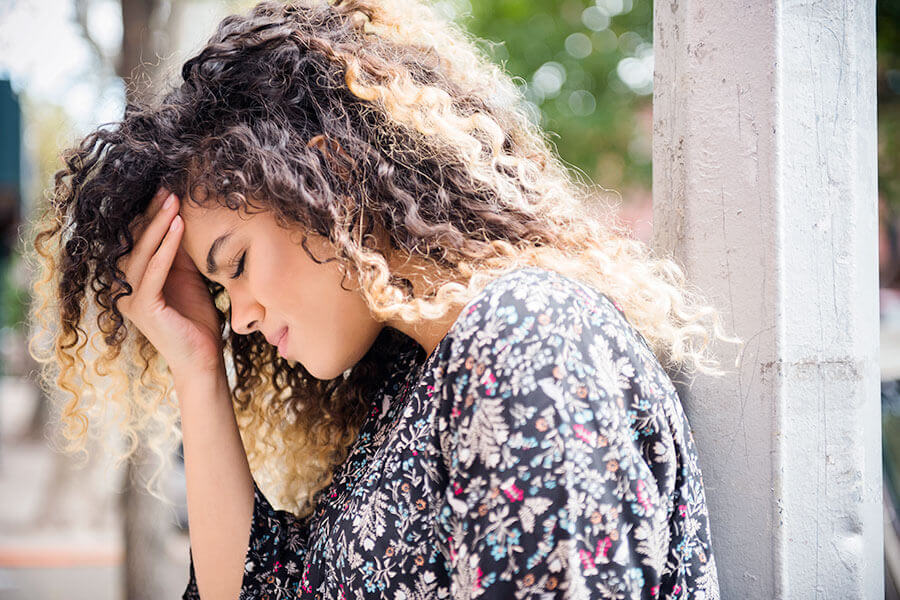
[[603, 547], [641, 496], [512, 492], [589, 560], [490, 385], [450, 546], [586, 558], [583, 434], [305, 579]]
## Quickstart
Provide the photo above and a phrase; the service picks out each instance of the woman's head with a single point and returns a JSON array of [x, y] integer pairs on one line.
[[274, 286], [367, 144]]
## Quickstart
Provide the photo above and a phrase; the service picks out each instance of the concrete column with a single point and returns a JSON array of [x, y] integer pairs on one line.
[[764, 188]]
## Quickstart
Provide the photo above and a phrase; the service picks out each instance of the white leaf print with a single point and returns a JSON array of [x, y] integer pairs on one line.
[[488, 430], [529, 511], [622, 555], [601, 357], [552, 390], [652, 543], [458, 506]]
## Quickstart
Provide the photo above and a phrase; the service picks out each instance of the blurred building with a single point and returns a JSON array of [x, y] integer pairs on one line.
[[10, 177]]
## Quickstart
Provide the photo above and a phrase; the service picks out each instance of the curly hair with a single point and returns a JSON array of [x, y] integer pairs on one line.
[[338, 117]]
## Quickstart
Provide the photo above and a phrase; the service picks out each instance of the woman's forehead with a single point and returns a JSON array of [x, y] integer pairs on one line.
[[211, 228]]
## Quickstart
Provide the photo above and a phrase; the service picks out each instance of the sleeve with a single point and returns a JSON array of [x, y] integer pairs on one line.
[[274, 564], [549, 492]]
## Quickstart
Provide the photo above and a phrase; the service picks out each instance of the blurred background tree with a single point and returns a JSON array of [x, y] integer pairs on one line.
[[888, 41], [586, 68], [889, 102]]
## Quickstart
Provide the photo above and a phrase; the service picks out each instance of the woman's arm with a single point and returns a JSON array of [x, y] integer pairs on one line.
[[219, 484]]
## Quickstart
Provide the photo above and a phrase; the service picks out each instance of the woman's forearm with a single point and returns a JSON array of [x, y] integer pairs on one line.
[[219, 485]]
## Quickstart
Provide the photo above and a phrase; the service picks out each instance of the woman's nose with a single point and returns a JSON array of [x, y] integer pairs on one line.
[[246, 315]]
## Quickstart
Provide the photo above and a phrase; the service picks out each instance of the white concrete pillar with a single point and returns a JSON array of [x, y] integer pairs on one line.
[[764, 177]]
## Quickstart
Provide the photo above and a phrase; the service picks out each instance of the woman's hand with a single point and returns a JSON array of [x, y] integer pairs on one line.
[[170, 302]]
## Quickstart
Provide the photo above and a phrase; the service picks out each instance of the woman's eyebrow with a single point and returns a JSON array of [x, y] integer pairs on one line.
[[211, 266]]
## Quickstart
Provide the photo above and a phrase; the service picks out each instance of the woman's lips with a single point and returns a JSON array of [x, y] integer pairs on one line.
[[281, 342]]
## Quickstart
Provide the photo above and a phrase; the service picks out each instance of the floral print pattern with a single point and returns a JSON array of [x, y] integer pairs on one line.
[[540, 451]]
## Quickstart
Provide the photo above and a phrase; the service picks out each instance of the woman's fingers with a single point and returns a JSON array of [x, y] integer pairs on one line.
[[150, 240], [159, 264], [140, 223], [134, 263]]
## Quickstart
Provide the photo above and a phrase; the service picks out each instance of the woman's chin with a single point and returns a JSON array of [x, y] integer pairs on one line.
[[328, 373]]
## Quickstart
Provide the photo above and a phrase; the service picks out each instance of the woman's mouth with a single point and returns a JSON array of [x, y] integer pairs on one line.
[[281, 342]]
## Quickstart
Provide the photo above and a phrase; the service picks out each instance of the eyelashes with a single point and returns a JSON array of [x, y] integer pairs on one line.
[[240, 266]]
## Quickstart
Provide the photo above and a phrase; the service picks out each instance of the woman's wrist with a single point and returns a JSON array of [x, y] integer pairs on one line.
[[201, 383]]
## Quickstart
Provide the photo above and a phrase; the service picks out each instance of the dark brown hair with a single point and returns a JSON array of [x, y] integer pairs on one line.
[[339, 118]]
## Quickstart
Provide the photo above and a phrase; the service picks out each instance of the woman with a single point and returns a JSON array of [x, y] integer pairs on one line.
[[378, 295]]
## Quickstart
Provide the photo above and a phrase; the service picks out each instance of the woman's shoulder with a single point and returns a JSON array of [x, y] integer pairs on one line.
[[553, 405], [549, 393], [538, 328], [536, 290], [535, 303]]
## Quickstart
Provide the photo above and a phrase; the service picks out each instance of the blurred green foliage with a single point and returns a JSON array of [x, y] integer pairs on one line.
[[13, 297], [588, 68], [888, 34]]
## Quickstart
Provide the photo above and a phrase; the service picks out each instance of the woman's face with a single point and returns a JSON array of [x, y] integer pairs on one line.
[[278, 285]]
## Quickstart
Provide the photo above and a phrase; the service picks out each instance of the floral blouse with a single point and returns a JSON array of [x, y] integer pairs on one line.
[[540, 451]]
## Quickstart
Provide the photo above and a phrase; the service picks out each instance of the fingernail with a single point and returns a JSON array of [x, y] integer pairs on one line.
[[169, 201]]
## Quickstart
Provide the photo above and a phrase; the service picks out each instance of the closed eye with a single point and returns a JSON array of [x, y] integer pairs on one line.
[[240, 266]]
